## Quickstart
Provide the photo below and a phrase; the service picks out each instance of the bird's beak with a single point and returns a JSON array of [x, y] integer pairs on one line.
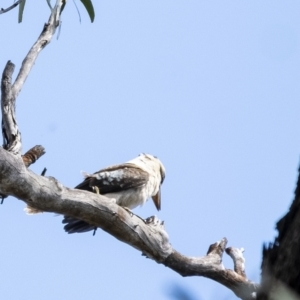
[[156, 199]]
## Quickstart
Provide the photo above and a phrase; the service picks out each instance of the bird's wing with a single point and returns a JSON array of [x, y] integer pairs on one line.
[[115, 178], [109, 180]]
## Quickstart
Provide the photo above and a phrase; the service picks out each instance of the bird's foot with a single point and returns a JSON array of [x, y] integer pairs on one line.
[[96, 190]]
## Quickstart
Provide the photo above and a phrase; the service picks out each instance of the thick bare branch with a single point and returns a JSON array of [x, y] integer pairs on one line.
[[148, 236], [44, 39], [11, 134]]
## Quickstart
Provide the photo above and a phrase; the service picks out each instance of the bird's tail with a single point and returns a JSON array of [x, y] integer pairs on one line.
[[77, 226]]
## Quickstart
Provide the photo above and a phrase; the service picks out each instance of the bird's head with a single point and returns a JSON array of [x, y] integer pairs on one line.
[[160, 170], [156, 163]]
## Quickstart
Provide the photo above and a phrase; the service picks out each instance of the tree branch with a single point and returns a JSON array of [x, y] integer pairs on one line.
[[11, 134], [211, 266], [281, 260], [5, 10], [148, 236], [43, 40]]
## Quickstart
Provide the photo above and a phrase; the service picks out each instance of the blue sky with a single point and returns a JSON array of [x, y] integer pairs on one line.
[[210, 87]]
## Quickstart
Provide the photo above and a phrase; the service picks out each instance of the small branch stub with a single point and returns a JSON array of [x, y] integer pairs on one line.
[[32, 155], [238, 260], [148, 236], [12, 141]]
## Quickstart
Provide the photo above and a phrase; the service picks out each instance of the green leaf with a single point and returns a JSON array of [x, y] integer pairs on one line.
[[21, 9], [89, 8], [63, 6]]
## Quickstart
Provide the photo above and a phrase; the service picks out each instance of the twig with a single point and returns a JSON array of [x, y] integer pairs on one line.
[[5, 10], [10, 131], [211, 266], [43, 40]]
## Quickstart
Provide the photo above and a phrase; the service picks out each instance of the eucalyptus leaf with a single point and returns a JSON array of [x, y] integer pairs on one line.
[[89, 8], [21, 9]]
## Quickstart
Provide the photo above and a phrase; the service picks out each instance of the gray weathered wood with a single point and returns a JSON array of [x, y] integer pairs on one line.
[[149, 236], [9, 91], [43, 40]]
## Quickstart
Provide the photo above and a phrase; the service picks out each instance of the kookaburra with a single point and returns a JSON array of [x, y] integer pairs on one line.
[[130, 184]]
